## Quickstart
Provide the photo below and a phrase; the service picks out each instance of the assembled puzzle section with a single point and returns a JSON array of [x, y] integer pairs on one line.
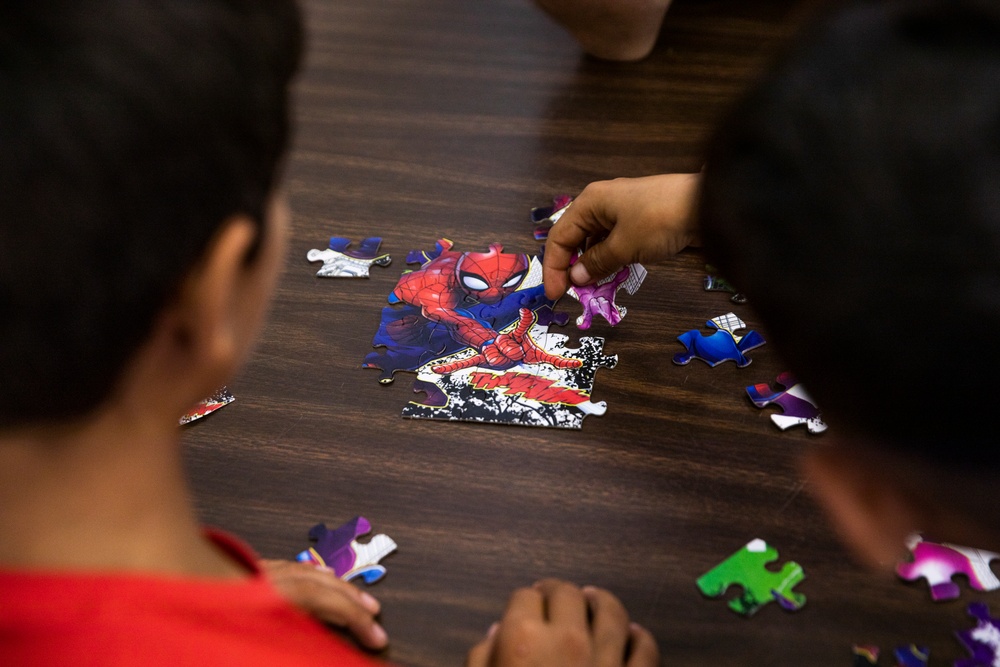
[[722, 345], [938, 563], [797, 406], [747, 569], [340, 551], [474, 327], [340, 261]]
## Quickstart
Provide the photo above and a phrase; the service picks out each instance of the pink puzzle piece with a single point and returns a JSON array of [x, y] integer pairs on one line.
[[599, 298], [938, 563]]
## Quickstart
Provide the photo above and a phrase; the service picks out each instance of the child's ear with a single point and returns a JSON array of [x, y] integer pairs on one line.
[[872, 511], [212, 305]]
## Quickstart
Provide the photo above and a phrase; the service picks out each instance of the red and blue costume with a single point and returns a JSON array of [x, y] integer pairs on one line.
[[460, 300]]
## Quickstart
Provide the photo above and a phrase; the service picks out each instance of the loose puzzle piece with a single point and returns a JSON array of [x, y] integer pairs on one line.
[[599, 298], [723, 345], [911, 655], [982, 641], [797, 405], [219, 399], [546, 216], [474, 327], [340, 551], [865, 656], [341, 262], [938, 563], [714, 283], [746, 568]]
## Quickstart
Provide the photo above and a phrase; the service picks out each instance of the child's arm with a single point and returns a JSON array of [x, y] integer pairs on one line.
[[619, 222], [321, 594], [554, 624]]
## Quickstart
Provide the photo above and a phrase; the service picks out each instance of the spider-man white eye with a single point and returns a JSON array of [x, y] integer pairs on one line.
[[474, 282], [516, 280]]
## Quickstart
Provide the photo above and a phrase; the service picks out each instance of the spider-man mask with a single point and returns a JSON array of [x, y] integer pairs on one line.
[[490, 276]]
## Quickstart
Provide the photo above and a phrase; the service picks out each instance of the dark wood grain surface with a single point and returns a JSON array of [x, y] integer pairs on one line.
[[452, 118]]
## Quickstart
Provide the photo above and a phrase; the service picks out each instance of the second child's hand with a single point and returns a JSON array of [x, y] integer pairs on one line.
[[620, 222], [557, 624]]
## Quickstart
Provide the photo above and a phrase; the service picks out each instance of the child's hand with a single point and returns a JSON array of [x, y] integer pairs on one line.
[[556, 624], [620, 222], [320, 593]]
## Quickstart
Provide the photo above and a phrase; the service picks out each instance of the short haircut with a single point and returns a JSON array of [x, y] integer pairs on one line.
[[854, 196], [130, 130]]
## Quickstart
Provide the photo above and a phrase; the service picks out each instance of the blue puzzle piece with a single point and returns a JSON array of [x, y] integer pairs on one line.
[[723, 345], [912, 655]]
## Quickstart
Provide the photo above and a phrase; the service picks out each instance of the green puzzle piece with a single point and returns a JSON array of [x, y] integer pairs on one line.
[[746, 568]]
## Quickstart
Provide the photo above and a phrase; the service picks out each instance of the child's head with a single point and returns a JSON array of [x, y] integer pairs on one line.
[[854, 195], [130, 132]]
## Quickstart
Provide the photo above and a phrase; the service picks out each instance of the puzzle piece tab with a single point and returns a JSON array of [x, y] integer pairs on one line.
[[746, 568], [797, 405], [938, 563], [341, 262], [340, 551], [982, 641], [723, 345]]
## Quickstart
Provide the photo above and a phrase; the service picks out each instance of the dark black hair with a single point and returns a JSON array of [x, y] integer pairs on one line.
[[129, 131], [854, 196]]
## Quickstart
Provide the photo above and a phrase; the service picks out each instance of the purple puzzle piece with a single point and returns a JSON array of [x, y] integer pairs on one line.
[[798, 407], [937, 563], [340, 551], [723, 345], [982, 641], [599, 298]]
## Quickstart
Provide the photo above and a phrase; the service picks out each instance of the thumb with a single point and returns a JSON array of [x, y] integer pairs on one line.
[[599, 261]]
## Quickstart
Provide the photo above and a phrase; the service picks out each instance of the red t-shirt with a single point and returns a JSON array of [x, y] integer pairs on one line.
[[125, 619]]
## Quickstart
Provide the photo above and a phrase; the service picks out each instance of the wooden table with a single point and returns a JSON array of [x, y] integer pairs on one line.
[[452, 118]]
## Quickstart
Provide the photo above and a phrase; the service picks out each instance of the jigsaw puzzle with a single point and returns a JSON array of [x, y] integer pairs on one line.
[[746, 568], [340, 551], [599, 298], [938, 563], [219, 399], [474, 327], [865, 656], [982, 641], [798, 407], [723, 345], [341, 262], [715, 283]]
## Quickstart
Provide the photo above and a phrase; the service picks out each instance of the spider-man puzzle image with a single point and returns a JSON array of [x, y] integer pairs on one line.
[[475, 328], [456, 301]]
